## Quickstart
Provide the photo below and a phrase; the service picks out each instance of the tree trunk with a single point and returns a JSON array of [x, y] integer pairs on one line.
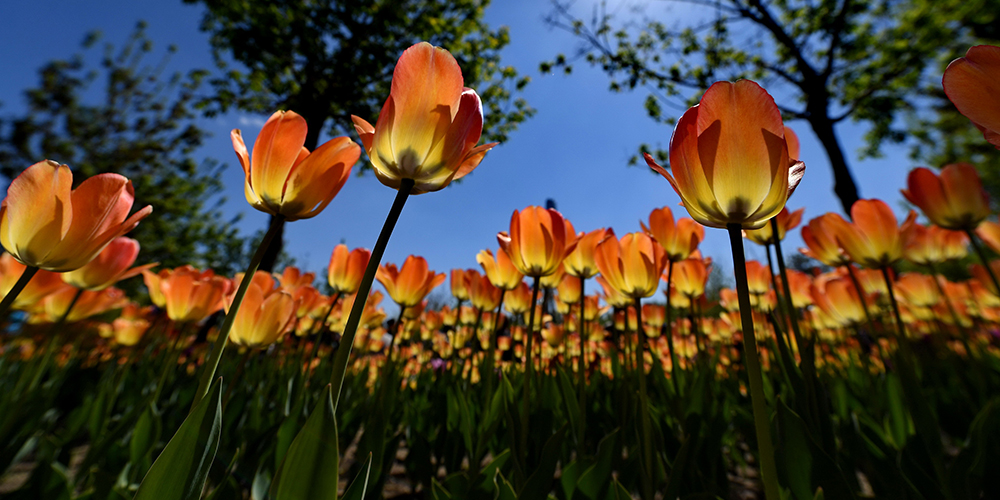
[[843, 182], [267, 263]]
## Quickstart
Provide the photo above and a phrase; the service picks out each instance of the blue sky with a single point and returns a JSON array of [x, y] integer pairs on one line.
[[574, 150]]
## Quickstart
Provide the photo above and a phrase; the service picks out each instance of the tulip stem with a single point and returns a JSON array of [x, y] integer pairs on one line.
[[581, 367], [227, 324], [649, 478], [668, 330], [528, 371], [787, 288], [8, 300], [761, 417], [361, 297], [982, 257]]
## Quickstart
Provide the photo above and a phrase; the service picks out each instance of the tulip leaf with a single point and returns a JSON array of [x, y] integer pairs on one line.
[[310, 467], [504, 489], [570, 477], [540, 482], [572, 405], [496, 464], [805, 464], [180, 472], [145, 434], [593, 481], [358, 488]]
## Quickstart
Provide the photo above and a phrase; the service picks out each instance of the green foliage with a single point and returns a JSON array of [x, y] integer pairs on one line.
[[824, 60], [130, 116], [328, 59]]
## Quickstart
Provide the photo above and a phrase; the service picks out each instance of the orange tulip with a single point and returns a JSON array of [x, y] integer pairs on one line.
[[677, 239], [283, 177], [538, 241], [792, 139], [730, 157], [409, 284], [46, 224], [552, 280], [90, 303], [461, 283], [483, 294], [983, 277], [955, 200], [838, 299], [500, 270], [190, 295], [518, 299], [799, 283], [786, 222], [569, 289], [690, 276], [43, 283], [758, 277], [821, 242], [933, 245], [428, 127], [873, 240], [917, 290], [632, 265], [266, 313], [109, 267], [291, 278], [129, 328], [989, 232], [580, 262], [972, 83], [347, 268]]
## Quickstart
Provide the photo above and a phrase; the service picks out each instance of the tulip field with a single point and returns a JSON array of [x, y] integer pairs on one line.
[[575, 363]]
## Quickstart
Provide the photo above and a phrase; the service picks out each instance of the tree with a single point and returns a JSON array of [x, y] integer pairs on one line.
[[836, 59], [330, 59], [141, 124]]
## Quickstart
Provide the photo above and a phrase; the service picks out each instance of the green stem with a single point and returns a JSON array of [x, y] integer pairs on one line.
[[227, 324], [982, 257], [8, 300], [351, 328], [581, 367], [900, 328], [668, 331], [761, 416], [528, 371], [649, 478]]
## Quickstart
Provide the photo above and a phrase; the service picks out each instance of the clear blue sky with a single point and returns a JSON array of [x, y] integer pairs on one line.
[[573, 150]]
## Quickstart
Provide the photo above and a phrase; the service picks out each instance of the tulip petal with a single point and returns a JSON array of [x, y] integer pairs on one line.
[[37, 211], [972, 84], [275, 151], [314, 182], [365, 130]]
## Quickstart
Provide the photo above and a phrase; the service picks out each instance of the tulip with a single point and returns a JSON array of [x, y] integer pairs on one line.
[[972, 83], [283, 177], [517, 300], [691, 276], [347, 268], [191, 295], [799, 284], [538, 240], [409, 284], [291, 278], [569, 289], [874, 240], [821, 241], [918, 290], [983, 276], [484, 295], [129, 328], [109, 267], [729, 157], [552, 280], [786, 222], [580, 262], [678, 238], [632, 265], [46, 224], [838, 299], [90, 303], [428, 127], [933, 245], [955, 200], [461, 283], [758, 277], [989, 232], [267, 312], [500, 270]]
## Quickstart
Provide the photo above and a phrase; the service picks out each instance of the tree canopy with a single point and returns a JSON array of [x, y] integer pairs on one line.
[[133, 117], [826, 61], [329, 59]]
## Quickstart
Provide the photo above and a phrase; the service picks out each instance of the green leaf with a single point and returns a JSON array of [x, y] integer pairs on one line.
[[572, 405], [897, 421], [179, 473], [145, 434], [620, 492], [490, 470], [504, 490], [310, 467], [540, 482], [594, 481], [438, 492], [805, 465], [358, 488], [570, 477]]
